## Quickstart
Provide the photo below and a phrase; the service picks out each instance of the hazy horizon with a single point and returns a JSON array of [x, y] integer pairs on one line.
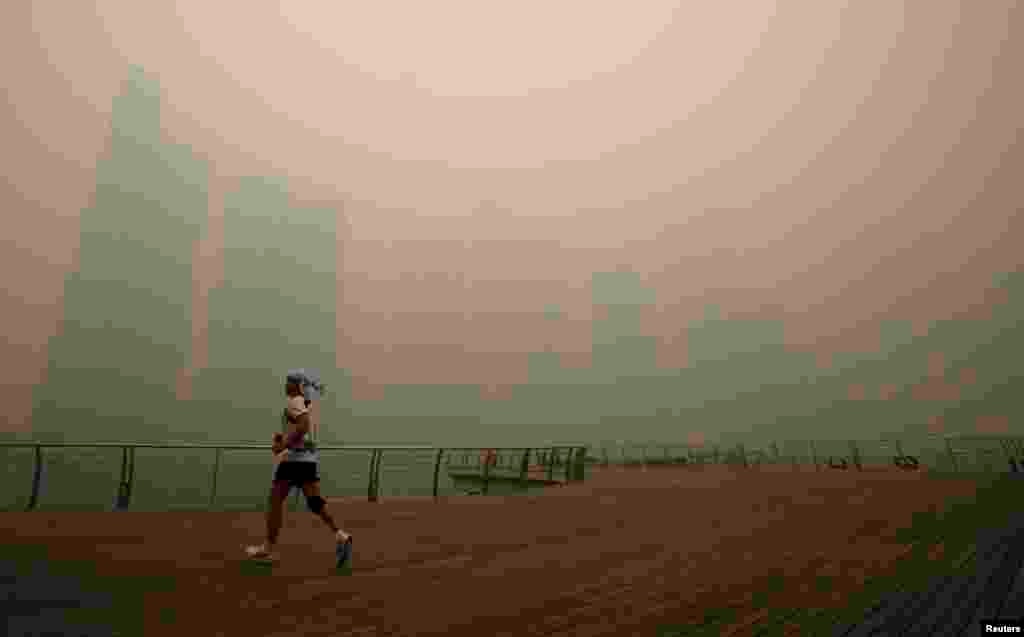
[[828, 165]]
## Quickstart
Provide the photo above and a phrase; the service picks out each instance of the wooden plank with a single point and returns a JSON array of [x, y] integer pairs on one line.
[[923, 618], [839, 630], [993, 601], [1015, 598], [950, 604], [952, 609], [898, 610], [876, 618]]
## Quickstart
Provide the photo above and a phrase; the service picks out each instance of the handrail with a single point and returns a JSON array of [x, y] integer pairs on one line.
[[128, 453], [548, 458], [1012, 446]]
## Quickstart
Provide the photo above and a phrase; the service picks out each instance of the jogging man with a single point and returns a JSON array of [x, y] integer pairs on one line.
[[296, 465]]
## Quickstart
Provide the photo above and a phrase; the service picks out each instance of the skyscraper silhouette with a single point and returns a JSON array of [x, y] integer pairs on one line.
[[126, 329]]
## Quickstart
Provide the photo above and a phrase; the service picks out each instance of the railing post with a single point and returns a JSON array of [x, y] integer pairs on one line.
[[485, 472], [1011, 455], [131, 470], [569, 464], [1009, 446], [213, 478], [376, 478], [814, 456], [524, 468], [373, 489], [952, 456], [124, 487], [551, 465], [37, 479], [988, 453], [437, 471], [370, 475], [856, 455], [580, 466]]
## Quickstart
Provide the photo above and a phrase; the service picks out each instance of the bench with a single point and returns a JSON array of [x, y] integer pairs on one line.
[[551, 466]]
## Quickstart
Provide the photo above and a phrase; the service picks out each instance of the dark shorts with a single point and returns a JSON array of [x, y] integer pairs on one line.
[[297, 474]]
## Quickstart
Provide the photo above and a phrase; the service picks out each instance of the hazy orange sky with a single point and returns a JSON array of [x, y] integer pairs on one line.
[[830, 162]]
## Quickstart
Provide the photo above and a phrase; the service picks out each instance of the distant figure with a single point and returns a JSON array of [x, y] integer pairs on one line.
[[296, 465]]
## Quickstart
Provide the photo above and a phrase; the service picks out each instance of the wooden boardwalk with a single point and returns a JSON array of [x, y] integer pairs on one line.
[[955, 605]]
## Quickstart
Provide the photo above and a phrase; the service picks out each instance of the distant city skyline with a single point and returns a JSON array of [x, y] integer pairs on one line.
[[885, 188]]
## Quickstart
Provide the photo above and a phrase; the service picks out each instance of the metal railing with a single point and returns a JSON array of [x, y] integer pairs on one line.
[[549, 458], [556, 464], [950, 451]]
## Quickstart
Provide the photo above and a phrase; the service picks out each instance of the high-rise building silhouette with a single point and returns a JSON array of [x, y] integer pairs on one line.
[[126, 330], [274, 312]]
